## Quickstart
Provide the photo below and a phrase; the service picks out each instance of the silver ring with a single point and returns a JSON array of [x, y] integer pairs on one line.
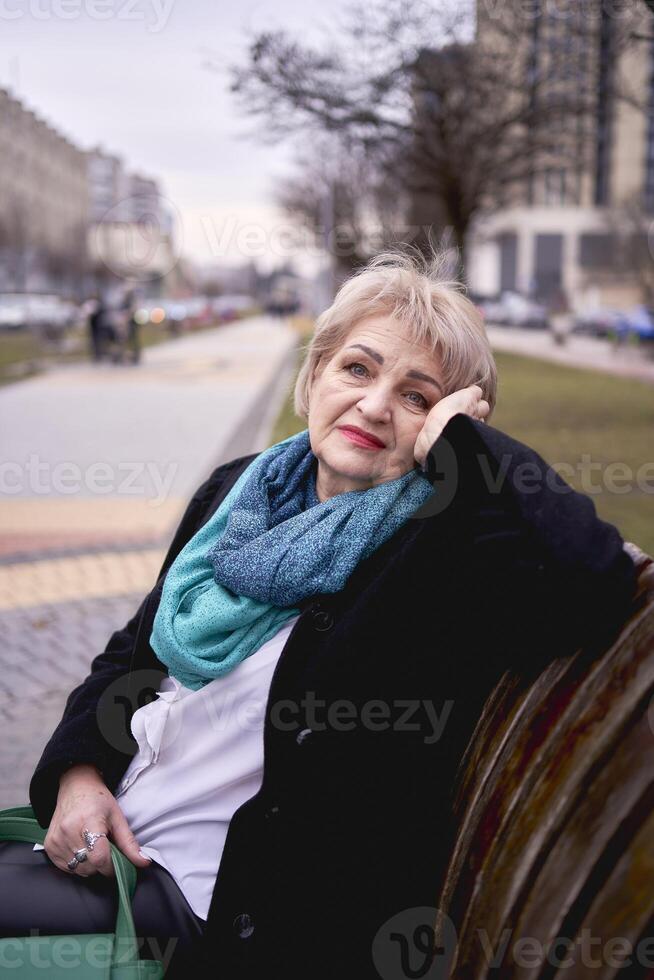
[[90, 838], [78, 858]]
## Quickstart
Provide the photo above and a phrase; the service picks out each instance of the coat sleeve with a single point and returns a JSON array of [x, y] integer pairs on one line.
[[545, 574], [79, 737]]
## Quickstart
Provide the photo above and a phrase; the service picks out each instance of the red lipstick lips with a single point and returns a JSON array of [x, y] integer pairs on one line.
[[360, 438]]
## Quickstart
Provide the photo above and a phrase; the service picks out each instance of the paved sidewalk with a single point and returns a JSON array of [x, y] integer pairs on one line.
[[578, 351], [99, 462]]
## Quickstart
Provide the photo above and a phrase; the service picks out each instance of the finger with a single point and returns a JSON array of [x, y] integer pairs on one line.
[[56, 850], [98, 859], [60, 859], [125, 840]]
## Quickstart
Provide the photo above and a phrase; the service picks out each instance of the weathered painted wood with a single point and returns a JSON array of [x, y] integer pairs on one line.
[[555, 796]]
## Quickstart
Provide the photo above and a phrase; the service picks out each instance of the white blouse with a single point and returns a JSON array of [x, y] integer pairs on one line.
[[200, 756]]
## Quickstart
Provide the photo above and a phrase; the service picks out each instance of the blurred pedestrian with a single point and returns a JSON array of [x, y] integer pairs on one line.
[[114, 332], [560, 317], [95, 326], [132, 339]]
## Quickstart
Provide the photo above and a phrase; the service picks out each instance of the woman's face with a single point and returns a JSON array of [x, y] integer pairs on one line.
[[368, 403]]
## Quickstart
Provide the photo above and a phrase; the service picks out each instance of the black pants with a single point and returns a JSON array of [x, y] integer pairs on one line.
[[37, 895]]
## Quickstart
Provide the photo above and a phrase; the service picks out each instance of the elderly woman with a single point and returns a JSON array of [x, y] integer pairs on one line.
[[327, 624]]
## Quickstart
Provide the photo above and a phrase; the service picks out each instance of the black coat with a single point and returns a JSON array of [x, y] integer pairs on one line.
[[353, 821]]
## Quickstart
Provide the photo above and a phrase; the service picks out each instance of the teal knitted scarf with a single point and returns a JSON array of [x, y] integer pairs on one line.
[[270, 544]]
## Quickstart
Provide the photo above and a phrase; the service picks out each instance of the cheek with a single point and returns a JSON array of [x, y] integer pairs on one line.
[[330, 397], [407, 431]]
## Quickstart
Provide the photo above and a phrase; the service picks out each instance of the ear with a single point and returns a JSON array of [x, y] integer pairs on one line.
[[315, 374]]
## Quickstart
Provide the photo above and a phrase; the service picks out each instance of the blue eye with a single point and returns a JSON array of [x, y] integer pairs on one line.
[[352, 369], [421, 401]]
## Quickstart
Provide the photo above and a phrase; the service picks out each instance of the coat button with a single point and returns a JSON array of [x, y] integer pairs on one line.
[[302, 736], [271, 812], [243, 925], [322, 620]]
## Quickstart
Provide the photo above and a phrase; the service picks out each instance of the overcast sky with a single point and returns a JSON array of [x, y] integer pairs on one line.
[[131, 75]]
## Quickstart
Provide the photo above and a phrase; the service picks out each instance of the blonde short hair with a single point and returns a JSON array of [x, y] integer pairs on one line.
[[409, 286]]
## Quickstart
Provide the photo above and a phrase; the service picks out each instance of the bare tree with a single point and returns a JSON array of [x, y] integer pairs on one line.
[[472, 113], [629, 244], [349, 202]]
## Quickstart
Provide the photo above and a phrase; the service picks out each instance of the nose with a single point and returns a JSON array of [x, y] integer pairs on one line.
[[375, 403]]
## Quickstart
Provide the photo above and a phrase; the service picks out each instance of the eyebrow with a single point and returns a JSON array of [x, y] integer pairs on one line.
[[418, 375]]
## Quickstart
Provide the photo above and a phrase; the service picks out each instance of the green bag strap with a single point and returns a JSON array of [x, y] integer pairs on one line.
[[19, 823]]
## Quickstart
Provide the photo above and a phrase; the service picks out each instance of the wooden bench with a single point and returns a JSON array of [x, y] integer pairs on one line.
[[555, 811]]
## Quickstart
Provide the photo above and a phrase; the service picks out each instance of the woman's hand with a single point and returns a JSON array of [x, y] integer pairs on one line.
[[466, 400], [84, 801]]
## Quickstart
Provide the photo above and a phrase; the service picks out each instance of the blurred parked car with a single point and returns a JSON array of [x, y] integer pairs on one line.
[[48, 314], [13, 312], [191, 311], [515, 310], [637, 321], [597, 321], [230, 306]]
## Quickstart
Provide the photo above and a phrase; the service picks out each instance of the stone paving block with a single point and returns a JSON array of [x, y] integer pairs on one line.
[[40, 669], [55, 580], [58, 613], [20, 753]]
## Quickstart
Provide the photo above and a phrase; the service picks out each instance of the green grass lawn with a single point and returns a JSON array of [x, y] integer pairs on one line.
[[23, 355], [575, 417], [19, 347]]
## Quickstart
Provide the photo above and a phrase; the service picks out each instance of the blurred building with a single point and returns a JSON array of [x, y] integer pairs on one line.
[[71, 220], [44, 204], [108, 186], [581, 227], [217, 279], [130, 234]]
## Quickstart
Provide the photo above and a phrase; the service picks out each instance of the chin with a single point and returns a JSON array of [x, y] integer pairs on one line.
[[350, 464]]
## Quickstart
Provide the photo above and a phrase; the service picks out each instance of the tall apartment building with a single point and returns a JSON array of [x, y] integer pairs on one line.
[[581, 222], [131, 231], [71, 219], [118, 195], [109, 190], [44, 201]]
